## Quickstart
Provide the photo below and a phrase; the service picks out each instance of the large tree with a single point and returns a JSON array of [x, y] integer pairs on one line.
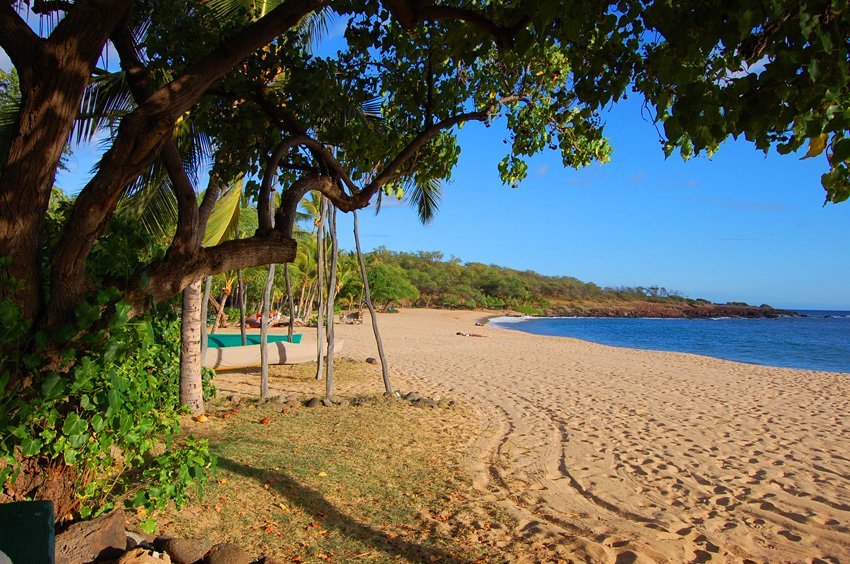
[[775, 72]]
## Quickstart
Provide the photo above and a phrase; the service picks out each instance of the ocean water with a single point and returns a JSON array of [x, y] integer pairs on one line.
[[818, 340]]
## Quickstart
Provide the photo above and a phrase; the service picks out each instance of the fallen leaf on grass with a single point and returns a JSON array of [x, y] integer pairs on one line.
[[265, 421], [283, 507], [223, 481], [200, 418], [322, 474], [217, 509]]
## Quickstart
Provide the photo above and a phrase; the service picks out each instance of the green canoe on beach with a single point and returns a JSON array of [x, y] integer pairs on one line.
[[219, 341]]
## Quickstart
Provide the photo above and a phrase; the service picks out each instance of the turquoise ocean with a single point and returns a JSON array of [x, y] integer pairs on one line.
[[816, 340]]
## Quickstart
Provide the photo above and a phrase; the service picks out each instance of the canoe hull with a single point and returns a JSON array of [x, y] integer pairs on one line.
[[233, 358]]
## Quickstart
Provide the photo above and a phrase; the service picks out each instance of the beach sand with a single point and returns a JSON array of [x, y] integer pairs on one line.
[[620, 455]]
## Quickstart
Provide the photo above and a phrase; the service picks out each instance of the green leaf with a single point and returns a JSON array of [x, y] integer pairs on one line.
[[840, 151], [52, 386], [70, 456], [225, 216], [148, 526], [30, 446], [74, 425]]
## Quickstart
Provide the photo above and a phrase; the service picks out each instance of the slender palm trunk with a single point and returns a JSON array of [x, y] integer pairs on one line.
[[320, 285], [385, 373], [204, 313], [242, 298], [311, 298], [301, 299], [264, 335], [291, 300], [329, 378], [191, 389]]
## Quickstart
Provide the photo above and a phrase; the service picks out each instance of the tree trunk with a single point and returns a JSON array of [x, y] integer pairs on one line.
[[219, 318], [311, 299], [242, 307], [264, 335], [291, 300], [320, 286], [53, 75], [191, 388], [385, 373], [329, 378], [204, 314]]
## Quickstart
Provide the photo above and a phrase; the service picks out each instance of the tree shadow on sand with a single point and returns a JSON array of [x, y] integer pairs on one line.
[[313, 503]]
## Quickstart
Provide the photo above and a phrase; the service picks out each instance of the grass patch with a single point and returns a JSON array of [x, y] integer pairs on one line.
[[383, 482]]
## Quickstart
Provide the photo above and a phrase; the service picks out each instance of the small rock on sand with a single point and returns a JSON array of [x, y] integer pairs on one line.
[[313, 402], [187, 551]]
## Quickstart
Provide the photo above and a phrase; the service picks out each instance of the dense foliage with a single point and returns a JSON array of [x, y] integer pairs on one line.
[[93, 415], [452, 283], [114, 411]]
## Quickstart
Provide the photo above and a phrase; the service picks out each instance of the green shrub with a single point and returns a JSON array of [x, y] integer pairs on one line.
[[101, 415]]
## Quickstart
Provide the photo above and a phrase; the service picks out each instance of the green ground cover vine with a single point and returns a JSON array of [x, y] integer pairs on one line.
[[103, 417]]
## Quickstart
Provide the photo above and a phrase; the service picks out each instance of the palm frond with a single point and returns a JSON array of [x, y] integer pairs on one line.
[[154, 207], [425, 195], [105, 101], [224, 219], [316, 26], [373, 107]]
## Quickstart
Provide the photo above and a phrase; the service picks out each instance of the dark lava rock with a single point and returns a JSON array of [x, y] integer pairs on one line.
[[227, 553], [313, 402], [103, 537], [372, 360], [411, 396], [187, 551]]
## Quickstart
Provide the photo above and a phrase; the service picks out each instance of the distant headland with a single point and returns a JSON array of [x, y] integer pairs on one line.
[[427, 279]]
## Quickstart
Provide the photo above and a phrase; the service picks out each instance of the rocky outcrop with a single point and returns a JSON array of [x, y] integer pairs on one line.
[[665, 309]]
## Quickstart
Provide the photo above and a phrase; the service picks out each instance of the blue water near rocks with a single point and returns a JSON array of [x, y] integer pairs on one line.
[[817, 340]]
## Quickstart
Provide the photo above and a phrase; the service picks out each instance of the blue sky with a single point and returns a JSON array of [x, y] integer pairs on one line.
[[738, 227]]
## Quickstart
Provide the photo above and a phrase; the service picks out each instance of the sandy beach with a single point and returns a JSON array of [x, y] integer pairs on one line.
[[618, 455]]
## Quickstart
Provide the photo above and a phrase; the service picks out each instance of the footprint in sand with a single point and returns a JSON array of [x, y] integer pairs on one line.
[[790, 536]]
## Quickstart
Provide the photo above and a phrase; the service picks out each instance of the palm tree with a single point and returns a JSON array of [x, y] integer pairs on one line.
[[385, 373], [329, 377]]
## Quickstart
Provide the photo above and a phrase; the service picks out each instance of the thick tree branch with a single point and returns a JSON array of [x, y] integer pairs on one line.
[[362, 198], [329, 187], [180, 94], [408, 13], [17, 39], [47, 6], [166, 278], [186, 237], [318, 150], [141, 135]]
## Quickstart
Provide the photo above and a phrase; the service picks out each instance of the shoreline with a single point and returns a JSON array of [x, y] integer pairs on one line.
[[603, 452], [515, 323]]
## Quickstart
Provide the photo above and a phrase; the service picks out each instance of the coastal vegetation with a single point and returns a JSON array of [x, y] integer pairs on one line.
[[428, 279], [183, 91]]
